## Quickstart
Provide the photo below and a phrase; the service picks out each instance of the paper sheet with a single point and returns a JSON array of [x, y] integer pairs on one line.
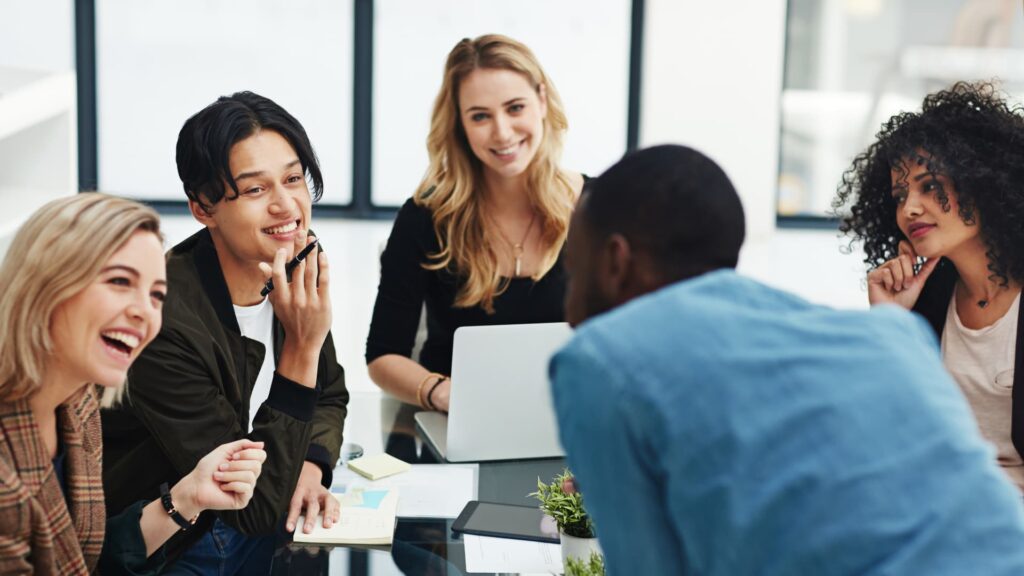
[[367, 517], [428, 490], [484, 554]]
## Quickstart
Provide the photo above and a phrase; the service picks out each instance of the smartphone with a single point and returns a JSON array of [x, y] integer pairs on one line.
[[505, 521]]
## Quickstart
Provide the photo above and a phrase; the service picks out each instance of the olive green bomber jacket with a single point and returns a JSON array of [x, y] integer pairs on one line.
[[188, 392]]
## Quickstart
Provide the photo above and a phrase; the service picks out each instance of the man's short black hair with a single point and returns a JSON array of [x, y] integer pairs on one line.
[[673, 203], [205, 141]]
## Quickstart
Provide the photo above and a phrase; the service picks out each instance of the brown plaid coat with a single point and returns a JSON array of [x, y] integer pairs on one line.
[[38, 533]]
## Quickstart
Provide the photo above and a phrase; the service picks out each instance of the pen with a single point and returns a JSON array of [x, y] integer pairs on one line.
[[290, 266]]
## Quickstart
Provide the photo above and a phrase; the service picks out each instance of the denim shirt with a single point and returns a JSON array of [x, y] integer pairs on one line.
[[722, 427]]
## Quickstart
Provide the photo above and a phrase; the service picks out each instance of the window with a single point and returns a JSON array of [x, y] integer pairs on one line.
[[160, 62], [412, 39], [851, 64]]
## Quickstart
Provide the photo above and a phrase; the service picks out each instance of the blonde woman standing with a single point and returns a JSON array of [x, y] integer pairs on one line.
[[84, 283], [480, 241]]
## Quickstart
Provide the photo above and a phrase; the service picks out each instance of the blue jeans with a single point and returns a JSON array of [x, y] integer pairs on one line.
[[224, 551]]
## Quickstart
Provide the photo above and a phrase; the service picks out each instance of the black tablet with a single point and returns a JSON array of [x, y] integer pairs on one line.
[[505, 521]]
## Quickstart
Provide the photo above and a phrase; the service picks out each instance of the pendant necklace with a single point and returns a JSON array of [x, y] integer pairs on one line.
[[518, 249], [982, 303]]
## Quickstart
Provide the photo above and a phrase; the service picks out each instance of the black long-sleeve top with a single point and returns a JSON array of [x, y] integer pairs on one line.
[[405, 285]]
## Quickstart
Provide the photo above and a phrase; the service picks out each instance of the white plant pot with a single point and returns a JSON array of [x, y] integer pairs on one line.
[[579, 548]]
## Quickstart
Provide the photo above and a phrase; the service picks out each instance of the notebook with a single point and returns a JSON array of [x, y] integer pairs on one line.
[[368, 517]]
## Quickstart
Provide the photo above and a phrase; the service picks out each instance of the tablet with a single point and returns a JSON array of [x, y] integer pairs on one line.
[[505, 521]]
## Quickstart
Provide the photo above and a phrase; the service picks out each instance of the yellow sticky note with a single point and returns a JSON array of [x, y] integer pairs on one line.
[[379, 466]]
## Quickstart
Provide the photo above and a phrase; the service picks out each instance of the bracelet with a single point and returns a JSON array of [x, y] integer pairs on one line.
[[430, 395], [419, 391], [165, 499]]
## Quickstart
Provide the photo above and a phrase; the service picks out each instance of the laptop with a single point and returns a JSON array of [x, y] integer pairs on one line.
[[500, 404]]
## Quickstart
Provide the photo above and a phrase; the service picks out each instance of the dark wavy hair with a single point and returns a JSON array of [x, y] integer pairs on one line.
[[203, 151], [970, 134]]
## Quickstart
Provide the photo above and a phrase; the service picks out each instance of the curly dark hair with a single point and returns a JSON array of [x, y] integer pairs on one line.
[[970, 134]]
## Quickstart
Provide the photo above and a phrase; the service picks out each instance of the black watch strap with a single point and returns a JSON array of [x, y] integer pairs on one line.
[[165, 499]]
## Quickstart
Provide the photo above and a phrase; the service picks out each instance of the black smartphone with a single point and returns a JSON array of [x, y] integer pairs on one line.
[[505, 521]]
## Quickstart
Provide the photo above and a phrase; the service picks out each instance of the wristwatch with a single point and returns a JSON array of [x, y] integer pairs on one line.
[[165, 499]]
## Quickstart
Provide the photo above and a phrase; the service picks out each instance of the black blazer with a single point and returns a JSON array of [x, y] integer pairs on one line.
[[933, 305]]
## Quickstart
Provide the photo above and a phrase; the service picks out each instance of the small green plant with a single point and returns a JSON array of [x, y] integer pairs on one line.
[[593, 566], [563, 502]]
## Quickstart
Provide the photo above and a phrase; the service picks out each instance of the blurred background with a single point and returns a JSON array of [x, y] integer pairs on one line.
[[781, 93]]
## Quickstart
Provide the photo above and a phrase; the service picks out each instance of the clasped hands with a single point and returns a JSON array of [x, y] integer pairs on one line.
[[225, 478]]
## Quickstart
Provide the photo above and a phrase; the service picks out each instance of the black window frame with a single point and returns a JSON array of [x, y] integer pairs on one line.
[[361, 205]]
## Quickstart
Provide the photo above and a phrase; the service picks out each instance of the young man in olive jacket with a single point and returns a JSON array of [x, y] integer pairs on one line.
[[230, 362]]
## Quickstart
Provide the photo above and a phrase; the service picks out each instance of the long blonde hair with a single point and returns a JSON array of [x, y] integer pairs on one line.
[[56, 254], [451, 187]]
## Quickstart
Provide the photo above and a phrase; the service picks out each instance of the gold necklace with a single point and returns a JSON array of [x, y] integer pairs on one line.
[[517, 248]]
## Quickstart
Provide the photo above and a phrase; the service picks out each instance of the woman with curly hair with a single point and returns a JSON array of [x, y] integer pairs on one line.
[[938, 203], [480, 241]]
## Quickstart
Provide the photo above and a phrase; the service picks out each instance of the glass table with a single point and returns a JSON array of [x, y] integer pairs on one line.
[[422, 546]]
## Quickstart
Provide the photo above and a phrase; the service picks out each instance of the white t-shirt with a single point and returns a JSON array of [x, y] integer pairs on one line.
[[257, 323], [981, 361]]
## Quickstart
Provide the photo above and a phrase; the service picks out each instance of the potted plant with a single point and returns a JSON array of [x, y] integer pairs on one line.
[[562, 501], [593, 566]]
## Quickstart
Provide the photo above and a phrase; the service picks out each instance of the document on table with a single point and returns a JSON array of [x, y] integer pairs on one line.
[[485, 554], [366, 517], [428, 490]]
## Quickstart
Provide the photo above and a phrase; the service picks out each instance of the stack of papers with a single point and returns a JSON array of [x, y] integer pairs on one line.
[[367, 517]]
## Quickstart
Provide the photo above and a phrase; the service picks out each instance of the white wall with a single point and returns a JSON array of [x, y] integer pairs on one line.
[[712, 79], [38, 35]]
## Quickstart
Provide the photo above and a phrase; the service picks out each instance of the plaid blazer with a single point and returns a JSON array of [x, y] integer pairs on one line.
[[38, 532]]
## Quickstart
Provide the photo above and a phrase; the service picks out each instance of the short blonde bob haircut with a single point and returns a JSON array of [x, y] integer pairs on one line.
[[56, 254], [452, 186]]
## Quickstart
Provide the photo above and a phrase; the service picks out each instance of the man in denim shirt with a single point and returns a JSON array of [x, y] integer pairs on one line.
[[720, 426]]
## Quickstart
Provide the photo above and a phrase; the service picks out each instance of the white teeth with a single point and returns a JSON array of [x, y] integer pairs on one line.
[[129, 340], [282, 229], [505, 151]]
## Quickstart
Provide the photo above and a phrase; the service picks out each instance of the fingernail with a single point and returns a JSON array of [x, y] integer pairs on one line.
[[291, 526]]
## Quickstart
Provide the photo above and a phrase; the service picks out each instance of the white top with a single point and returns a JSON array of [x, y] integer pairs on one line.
[[257, 323], [981, 361]]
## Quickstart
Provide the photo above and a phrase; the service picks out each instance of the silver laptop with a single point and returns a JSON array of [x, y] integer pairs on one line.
[[500, 406]]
